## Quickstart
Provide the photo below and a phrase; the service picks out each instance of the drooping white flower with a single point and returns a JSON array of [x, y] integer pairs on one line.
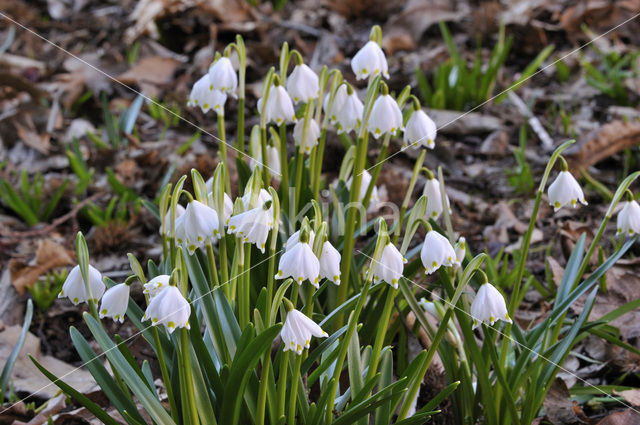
[[168, 308], [437, 251], [329, 263], [420, 130], [310, 137], [349, 117], [461, 249], [565, 190], [385, 116], [252, 226], [364, 185], [197, 226], [629, 219], [73, 286], [273, 159], [429, 307], [279, 108], [488, 306], [155, 285], [167, 219], [263, 196], [223, 77], [370, 60], [434, 199], [338, 102], [295, 238], [227, 208], [302, 84], [115, 302], [204, 96], [390, 267], [300, 263], [297, 331]]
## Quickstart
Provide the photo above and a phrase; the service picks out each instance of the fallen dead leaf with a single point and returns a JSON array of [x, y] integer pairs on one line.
[[603, 143], [27, 378], [27, 132], [558, 405], [149, 73], [54, 406], [627, 417], [49, 255], [631, 396]]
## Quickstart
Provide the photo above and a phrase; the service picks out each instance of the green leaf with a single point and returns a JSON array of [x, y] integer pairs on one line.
[[77, 396], [11, 360], [139, 387]]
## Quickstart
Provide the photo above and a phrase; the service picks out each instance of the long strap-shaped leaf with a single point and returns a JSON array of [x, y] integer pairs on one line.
[[139, 387]]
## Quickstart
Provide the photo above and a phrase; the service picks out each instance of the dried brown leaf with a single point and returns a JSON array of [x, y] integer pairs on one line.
[[558, 405], [627, 417], [49, 255], [149, 73], [603, 143]]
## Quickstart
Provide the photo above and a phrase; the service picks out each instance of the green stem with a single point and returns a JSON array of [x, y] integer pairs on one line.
[[294, 388], [223, 149], [318, 163], [265, 160], [243, 289], [381, 333], [224, 267], [240, 132], [298, 182], [188, 378], [376, 171], [352, 215], [282, 383], [262, 390], [213, 270], [284, 169], [415, 385], [165, 374]]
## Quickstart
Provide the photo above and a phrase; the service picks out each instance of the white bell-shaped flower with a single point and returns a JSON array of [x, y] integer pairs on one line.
[[310, 137], [303, 84], [385, 116], [295, 238], [329, 263], [370, 60], [338, 102], [390, 267], [434, 199], [252, 226], [629, 219], [297, 331], [167, 219], [364, 185], [263, 196], [437, 251], [461, 249], [223, 77], [300, 263], [273, 160], [429, 307], [565, 190], [115, 302], [420, 130], [349, 117], [279, 108], [204, 96], [168, 308], [155, 285], [488, 306], [197, 226], [73, 286], [226, 199]]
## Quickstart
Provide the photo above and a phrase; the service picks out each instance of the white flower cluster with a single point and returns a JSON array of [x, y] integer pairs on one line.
[[211, 90], [300, 263]]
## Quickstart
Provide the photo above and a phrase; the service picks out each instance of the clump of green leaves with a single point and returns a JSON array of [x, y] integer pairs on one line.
[[117, 210], [520, 177], [30, 200], [458, 86], [609, 73], [45, 290]]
